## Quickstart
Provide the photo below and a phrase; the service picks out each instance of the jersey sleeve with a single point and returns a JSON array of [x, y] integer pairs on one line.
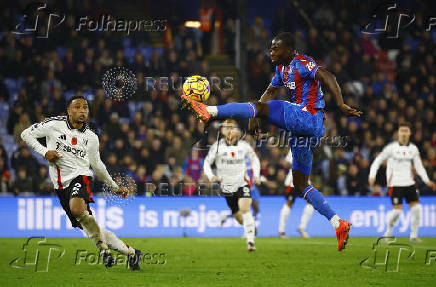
[[35, 131], [307, 67], [386, 153], [420, 170], [209, 160], [254, 160], [277, 80], [98, 166]]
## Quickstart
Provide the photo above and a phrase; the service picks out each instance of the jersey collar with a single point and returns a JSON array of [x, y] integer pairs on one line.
[[70, 126]]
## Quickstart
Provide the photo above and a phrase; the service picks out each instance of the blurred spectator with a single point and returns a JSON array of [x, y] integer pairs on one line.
[[23, 158], [42, 184], [5, 177], [23, 183]]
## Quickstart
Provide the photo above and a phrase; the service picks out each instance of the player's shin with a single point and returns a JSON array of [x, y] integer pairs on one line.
[[249, 226], [314, 197], [284, 214], [395, 215], [233, 110], [114, 243], [89, 223], [415, 219]]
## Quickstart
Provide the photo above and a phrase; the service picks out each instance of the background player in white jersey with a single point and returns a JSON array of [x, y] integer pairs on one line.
[[291, 194], [72, 148], [229, 154], [400, 156]]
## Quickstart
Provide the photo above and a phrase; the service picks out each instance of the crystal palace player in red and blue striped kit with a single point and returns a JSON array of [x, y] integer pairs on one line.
[[303, 116]]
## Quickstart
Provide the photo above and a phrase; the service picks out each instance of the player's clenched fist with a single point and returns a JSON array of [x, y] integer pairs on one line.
[[52, 156]]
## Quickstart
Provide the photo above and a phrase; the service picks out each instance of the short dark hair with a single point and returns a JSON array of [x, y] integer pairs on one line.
[[75, 98], [405, 124], [287, 39]]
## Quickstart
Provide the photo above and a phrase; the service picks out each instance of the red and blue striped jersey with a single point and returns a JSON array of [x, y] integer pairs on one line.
[[299, 78]]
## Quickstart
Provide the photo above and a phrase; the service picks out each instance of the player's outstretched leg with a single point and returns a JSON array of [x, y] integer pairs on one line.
[[87, 221], [116, 244], [231, 110], [307, 214]]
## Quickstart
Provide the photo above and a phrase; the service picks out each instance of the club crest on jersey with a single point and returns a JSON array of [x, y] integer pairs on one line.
[[74, 141], [290, 85]]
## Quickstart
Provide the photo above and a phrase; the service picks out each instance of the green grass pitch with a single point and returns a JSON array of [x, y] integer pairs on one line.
[[225, 262]]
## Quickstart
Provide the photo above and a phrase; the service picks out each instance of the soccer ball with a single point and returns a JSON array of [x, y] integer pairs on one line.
[[197, 88]]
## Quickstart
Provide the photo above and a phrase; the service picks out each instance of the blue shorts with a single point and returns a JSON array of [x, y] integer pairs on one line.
[[306, 129], [255, 194]]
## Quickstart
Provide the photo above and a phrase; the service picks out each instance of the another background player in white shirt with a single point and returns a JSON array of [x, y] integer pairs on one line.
[[72, 148], [291, 194], [229, 154], [400, 156]]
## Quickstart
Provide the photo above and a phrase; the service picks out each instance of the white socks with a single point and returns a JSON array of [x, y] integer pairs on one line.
[[334, 221], [213, 110], [114, 243], [415, 220], [91, 226], [395, 215], [307, 214], [249, 226], [284, 214]]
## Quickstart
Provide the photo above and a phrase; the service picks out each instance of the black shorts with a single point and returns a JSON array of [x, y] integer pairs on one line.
[[291, 193], [79, 187], [232, 198], [397, 193]]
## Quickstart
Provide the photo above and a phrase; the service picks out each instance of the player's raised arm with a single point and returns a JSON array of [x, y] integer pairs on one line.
[[269, 94], [99, 167], [420, 170], [328, 79], [40, 130], [381, 157], [208, 161]]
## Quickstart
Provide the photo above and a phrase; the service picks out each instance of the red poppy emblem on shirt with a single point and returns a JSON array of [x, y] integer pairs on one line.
[[74, 141], [233, 154]]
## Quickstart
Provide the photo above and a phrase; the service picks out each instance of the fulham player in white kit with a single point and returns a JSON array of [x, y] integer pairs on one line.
[[402, 156], [72, 148], [229, 154]]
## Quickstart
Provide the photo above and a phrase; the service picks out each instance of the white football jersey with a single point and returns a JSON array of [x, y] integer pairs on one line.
[[231, 165], [79, 150], [399, 164]]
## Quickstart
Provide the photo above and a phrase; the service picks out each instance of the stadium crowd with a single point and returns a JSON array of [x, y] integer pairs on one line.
[[150, 139]]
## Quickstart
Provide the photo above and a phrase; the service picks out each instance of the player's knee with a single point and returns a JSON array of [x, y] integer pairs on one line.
[[262, 110], [77, 210]]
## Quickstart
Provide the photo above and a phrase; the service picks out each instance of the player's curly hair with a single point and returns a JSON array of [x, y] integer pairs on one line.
[[287, 39]]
